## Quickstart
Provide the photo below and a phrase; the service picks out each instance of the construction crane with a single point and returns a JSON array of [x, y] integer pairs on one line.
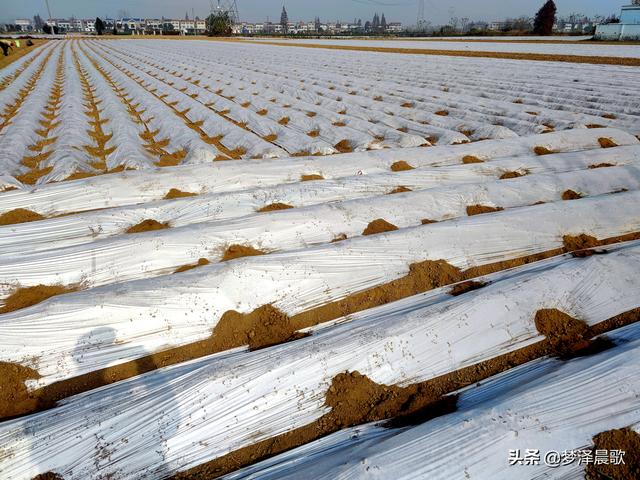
[[229, 6]]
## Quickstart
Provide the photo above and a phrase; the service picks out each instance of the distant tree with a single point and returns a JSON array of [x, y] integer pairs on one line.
[[367, 26], [545, 18], [383, 23], [100, 26], [219, 24], [56, 30], [284, 21], [115, 29], [186, 16], [318, 25], [46, 28], [611, 19]]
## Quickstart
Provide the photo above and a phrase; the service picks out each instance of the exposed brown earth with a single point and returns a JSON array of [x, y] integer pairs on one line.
[[274, 207], [571, 195], [401, 166], [469, 159], [379, 225], [624, 439], [24, 297], [175, 193], [400, 189], [542, 151], [601, 165], [19, 215], [464, 287], [426, 221], [239, 251], [607, 142], [480, 209], [148, 225], [185, 268], [508, 175], [311, 177]]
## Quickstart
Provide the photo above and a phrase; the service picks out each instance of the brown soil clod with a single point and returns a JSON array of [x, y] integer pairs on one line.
[[567, 337], [607, 142], [14, 397], [400, 189], [175, 193], [200, 263], [609, 116], [601, 165], [343, 146], [571, 195], [464, 287], [542, 151], [311, 177], [427, 221], [19, 215], [624, 439], [148, 225], [48, 476], [274, 207], [314, 133], [469, 159], [509, 175], [401, 166], [238, 251], [379, 226], [24, 297], [263, 327], [442, 113], [580, 245], [480, 209]]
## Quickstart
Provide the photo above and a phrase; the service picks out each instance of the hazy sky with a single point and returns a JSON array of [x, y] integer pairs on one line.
[[437, 11]]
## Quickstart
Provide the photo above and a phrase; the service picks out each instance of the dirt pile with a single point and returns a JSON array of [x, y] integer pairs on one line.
[[623, 439], [508, 175], [470, 159], [480, 209], [19, 215], [239, 251], [379, 225], [601, 165], [426, 221], [148, 225], [14, 397], [24, 297], [542, 151], [607, 142], [343, 146], [311, 177], [274, 206], [565, 335], [401, 166], [175, 193], [571, 195], [200, 263], [400, 189]]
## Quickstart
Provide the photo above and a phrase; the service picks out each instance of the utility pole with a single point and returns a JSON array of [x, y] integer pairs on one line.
[[48, 9]]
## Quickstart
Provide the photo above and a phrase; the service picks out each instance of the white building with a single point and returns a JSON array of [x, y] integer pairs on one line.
[[627, 29], [24, 24]]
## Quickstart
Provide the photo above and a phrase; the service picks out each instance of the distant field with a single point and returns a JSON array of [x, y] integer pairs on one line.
[[16, 52]]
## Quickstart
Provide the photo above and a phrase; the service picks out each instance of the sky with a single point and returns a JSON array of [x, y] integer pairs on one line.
[[405, 11]]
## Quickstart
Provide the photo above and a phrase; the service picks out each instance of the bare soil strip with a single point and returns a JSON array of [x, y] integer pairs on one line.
[[538, 57], [267, 326]]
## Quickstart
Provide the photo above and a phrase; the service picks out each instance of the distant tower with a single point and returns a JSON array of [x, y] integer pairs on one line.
[[284, 20], [229, 6], [421, 22]]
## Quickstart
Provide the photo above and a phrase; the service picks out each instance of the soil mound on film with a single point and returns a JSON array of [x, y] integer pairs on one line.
[[148, 225], [19, 215], [274, 206], [469, 159], [185, 268], [175, 193], [401, 166], [623, 439], [24, 297], [239, 251], [480, 209], [379, 225], [571, 195]]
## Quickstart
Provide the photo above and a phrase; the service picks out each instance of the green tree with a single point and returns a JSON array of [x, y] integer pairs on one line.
[[99, 26], [219, 24], [545, 18]]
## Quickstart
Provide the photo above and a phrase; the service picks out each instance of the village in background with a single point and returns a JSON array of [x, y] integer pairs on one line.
[[613, 27]]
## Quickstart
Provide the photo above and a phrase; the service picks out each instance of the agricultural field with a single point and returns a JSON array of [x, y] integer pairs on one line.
[[243, 260]]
